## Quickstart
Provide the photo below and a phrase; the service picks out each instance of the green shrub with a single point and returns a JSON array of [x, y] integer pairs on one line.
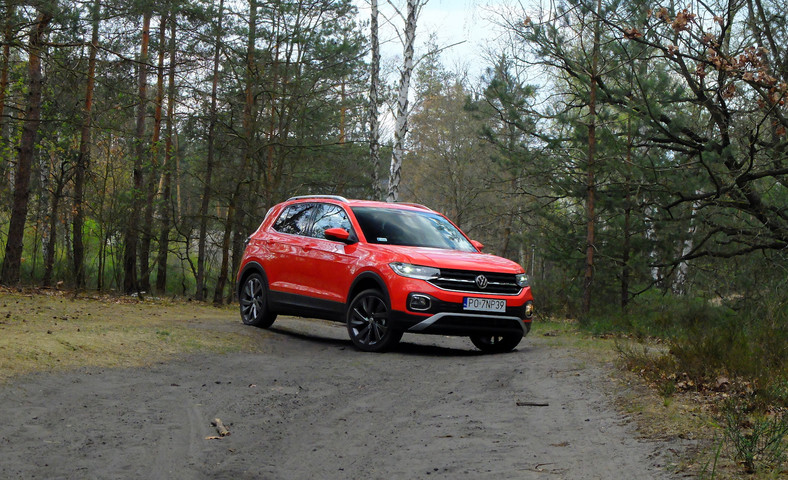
[[657, 315], [704, 341]]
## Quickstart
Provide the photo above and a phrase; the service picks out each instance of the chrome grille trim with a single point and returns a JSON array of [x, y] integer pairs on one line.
[[464, 281]]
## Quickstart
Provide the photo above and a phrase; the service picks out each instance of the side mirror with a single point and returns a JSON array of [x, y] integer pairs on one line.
[[338, 235], [479, 245]]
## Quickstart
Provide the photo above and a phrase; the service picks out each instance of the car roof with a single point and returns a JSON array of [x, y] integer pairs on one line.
[[359, 203]]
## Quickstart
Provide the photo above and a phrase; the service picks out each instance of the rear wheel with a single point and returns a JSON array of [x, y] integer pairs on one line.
[[496, 343], [254, 302], [368, 322]]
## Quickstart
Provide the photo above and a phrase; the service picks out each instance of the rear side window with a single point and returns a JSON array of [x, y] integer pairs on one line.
[[295, 219], [329, 216]]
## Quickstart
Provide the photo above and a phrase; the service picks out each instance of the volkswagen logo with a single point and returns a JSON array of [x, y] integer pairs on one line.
[[481, 282]]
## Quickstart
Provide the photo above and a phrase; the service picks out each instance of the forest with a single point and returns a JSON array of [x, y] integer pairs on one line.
[[631, 156]]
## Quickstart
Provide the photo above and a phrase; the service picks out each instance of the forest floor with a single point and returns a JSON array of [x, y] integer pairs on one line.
[[109, 388]]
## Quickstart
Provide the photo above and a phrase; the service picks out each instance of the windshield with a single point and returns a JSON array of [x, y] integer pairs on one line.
[[390, 226]]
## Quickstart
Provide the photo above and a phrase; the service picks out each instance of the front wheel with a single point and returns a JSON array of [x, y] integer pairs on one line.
[[496, 343], [254, 303], [369, 323]]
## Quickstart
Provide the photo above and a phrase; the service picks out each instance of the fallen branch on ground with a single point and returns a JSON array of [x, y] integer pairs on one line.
[[223, 431], [532, 404]]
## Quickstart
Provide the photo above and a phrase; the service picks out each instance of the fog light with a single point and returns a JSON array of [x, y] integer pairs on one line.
[[529, 309], [419, 302]]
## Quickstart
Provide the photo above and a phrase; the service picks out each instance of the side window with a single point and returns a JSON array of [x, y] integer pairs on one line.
[[295, 219], [329, 216]]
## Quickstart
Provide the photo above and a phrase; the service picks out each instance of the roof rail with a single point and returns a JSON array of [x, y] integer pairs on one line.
[[332, 197]]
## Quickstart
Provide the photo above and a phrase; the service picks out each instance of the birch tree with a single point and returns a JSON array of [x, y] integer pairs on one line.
[[401, 122]]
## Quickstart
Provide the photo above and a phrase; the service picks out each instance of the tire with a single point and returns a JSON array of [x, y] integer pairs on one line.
[[253, 298], [368, 322], [496, 343]]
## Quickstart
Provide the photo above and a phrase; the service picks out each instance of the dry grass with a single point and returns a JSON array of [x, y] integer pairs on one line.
[[49, 331]]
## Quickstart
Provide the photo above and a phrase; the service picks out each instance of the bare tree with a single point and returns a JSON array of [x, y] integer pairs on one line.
[[401, 122]]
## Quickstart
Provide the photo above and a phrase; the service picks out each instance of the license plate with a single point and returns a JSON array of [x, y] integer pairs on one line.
[[483, 304]]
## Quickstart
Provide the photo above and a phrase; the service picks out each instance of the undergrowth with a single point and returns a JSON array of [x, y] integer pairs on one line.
[[736, 359], [756, 440]]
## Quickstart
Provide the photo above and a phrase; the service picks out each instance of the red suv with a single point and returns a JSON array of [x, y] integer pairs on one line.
[[383, 269]]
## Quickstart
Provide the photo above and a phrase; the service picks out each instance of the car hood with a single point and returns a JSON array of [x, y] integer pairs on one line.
[[453, 259]]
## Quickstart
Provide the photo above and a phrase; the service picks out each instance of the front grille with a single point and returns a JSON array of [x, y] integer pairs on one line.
[[465, 281]]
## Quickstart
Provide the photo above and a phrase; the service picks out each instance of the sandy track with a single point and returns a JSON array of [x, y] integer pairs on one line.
[[310, 406]]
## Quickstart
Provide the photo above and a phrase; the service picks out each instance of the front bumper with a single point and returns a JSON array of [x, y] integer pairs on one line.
[[445, 315], [460, 323]]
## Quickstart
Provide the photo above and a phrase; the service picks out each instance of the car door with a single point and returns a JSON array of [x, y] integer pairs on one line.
[[331, 261], [288, 243]]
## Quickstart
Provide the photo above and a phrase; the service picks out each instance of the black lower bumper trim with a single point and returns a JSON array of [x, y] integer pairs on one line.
[[462, 324]]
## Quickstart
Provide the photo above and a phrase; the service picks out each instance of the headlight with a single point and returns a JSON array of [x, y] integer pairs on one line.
[[521, 279], [529, 309], [415, 271]]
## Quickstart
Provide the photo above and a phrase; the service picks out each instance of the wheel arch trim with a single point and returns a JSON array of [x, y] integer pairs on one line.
[[363, 281], [249, 268]]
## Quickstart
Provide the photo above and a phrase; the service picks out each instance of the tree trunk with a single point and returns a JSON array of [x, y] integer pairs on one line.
[[679, 286], [169, 154], [221, 282], [374, 89], [105, 233], [83, 160], [152, 177], [130, 283], [49, 260], [590, 180], [16, 229], [206, 194], [626, 247], [342, 110], [8, 37], [269, 175], [401, 123], [248, 127], [42, 209]]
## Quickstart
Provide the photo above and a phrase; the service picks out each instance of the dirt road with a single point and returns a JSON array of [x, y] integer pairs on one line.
[[310, 406]]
